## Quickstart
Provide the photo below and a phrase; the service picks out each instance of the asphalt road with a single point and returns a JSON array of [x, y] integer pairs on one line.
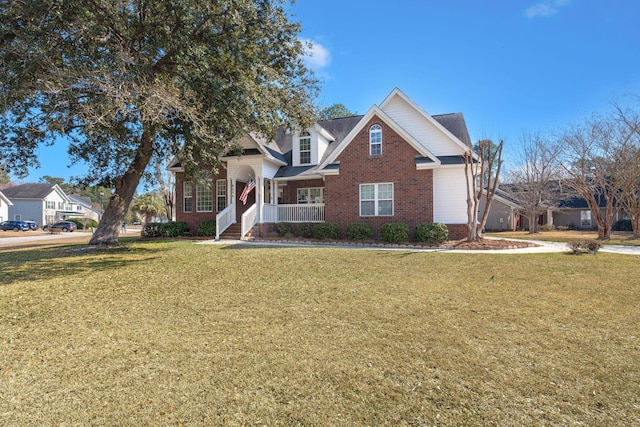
[[39, 237]]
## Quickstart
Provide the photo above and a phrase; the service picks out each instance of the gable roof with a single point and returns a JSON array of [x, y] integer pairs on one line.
[[33, 191], [376, 111], [5, 199], [452, 125]]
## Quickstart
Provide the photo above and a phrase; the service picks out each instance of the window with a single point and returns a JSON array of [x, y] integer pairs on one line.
[[585, 218], [375, 140], [187, 196], [305, 148], [311, 195], [221, 194], [376, 199], [51, 204], [204, 195]]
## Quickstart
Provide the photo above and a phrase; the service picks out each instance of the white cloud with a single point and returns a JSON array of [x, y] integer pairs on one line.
[[316, 55], [546, 8]]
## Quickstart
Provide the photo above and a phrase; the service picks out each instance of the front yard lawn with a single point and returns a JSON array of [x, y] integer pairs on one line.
[[176, 333]]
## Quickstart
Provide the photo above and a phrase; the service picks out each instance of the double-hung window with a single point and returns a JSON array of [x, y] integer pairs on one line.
[[375, 140], [305, 148], [311, 195], [376, 199], [585, 218], [187, 196], [221, 194], [51, 204], [204, 195]]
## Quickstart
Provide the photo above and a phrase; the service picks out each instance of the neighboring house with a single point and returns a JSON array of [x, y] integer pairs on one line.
[[569, 210], [396, 163], [4, 207], [83, 207], [42, 203], [505, 214]]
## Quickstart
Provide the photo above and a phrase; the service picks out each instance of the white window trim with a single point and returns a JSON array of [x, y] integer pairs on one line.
[[186, 185], [304, 136], [585, 218], [375, 129], [205, 184], [376, 199], [308, 190], [221, 193]]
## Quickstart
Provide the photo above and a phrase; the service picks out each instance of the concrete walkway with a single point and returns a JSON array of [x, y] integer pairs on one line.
[[542, 247]]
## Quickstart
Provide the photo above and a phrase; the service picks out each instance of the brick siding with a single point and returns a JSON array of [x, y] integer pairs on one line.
[[290, 191], [413, 189], [193, 219]]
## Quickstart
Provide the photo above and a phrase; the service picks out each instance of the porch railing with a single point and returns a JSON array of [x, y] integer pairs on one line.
[[223, 220], [313, 212], [249, 219], [269, 213]]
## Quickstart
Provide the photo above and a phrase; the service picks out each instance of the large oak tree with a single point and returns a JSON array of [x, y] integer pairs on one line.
[[125, 80]]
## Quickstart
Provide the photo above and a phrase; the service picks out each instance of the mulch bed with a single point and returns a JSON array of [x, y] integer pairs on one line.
[[479, 244]]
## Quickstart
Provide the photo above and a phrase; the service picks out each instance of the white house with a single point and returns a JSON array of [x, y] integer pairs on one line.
[[42, 203], [82, 206], [4, 207]]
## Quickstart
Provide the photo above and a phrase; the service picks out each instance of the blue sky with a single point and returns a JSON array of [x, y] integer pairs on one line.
[[510, 66]]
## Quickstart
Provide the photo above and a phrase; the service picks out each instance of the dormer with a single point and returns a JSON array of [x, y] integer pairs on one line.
[[310, 145]]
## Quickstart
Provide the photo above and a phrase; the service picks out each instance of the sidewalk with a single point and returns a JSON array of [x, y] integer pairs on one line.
[[542, 247]]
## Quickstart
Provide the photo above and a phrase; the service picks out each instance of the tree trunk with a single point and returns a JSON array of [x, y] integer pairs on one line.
[[533, 221], [125, 188]]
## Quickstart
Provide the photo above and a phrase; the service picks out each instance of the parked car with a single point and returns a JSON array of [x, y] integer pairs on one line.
[[14, 225], [32, 225], [64, 226]]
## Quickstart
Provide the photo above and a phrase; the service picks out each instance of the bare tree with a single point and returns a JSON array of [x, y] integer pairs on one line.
[[534, 181], [482, 171], [630, 195], [166, 183], [595, 159]]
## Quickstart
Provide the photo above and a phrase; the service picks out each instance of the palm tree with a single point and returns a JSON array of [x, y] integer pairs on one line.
[[148, 205]]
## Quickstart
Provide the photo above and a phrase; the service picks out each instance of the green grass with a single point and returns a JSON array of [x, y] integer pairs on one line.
[[170, 333]]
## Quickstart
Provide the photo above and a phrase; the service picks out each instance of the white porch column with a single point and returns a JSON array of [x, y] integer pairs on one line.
[[549, 217], [232, 193], [260, 197], [274, 192]]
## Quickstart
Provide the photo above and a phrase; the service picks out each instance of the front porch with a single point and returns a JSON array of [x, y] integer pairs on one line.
[[268, 213]]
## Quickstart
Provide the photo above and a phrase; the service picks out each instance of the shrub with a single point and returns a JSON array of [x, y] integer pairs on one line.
[[304, 229], [167, 229], [174, 229], [547, 227], [283, 228], [394, 232], [151, 229], [622, 225], [326, 230], [207, 228], [432, 232], [563, 227], [359, 231], [586, 245]]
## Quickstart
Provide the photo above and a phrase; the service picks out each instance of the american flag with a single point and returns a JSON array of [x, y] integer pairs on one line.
[[250, 185]]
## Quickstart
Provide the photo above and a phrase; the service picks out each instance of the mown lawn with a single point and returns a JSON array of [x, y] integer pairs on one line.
[[182, 334]]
